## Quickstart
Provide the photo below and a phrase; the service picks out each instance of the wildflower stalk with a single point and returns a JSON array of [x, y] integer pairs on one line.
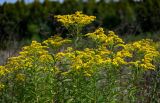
[[77, 37]]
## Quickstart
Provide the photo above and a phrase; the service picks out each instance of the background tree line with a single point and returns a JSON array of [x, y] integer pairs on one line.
[[21, 21]]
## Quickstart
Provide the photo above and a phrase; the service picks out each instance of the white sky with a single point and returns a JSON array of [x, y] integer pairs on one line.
[[27, 1]]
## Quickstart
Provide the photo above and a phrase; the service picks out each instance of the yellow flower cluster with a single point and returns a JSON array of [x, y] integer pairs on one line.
[[143, 53], [113, 39], [30, 57], [56, 41], [78, 19], [3, 71], [119, 58], [140, 53], [137, 54], [87, 61], [98, 35], [109, 40]]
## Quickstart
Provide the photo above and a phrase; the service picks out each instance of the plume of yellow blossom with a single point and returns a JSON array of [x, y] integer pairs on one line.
[[56, 41], [3, 71], [109, 40], [30, 57], [77, 19], [143, 53]]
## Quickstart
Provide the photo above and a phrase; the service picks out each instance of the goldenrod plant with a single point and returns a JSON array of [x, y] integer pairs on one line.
[[55, 71], [74, 23]]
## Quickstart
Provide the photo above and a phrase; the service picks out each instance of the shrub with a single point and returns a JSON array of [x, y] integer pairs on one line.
[[103, 69]]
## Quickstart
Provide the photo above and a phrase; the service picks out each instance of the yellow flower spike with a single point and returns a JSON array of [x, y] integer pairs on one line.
[[115, 63], [119, 60], [77, 19], [113, 37], [144, 52], [123, 53], [98, 35], [147, 66], [107, 61], [109, 40], [79, 61], [45, 58], [56, 41], [34, 55], [3, 71]]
